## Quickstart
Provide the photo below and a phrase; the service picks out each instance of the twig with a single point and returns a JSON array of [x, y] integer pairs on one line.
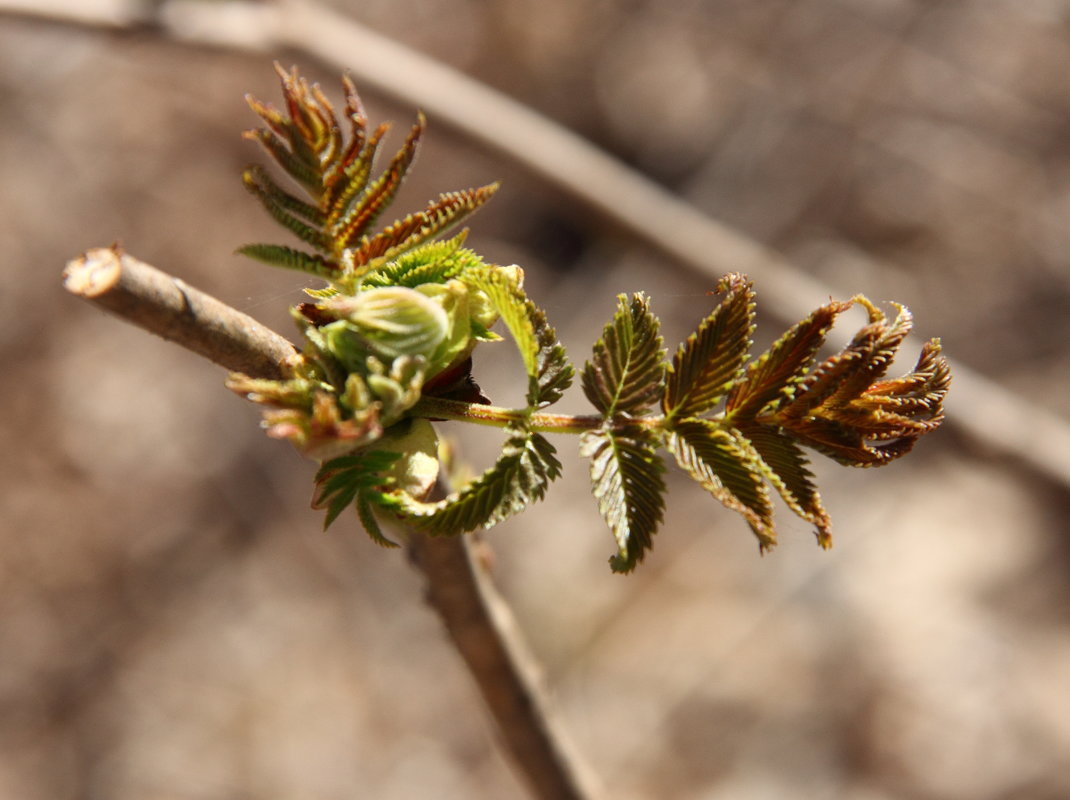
[[485, 632], [476, 617], [170, 308], [997, 419]]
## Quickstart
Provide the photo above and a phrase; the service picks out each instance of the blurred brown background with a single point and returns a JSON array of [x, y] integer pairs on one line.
[[174, 624]]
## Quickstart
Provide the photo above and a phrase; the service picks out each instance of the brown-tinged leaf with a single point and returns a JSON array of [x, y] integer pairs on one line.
[[727, 467], [775, 374], [379, 194], [710, 360], [786, 468]]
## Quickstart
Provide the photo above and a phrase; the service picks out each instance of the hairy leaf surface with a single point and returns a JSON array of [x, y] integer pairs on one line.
[[423, 226], [775, 374], [726, 466], [626, 373], [278, 255], [626, 475], [520, 477], [710, 360]]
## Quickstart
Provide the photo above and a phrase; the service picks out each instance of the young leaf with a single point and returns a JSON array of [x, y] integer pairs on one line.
[[278, 203], [553, 373], [351, 226], [519, 478], [423, 226], [344, 183], [303, 174], [706, 365], [365, 504], [278, 255], [784, 465], [729, 469], [776, 373], [843, 410], [626, 474], [549, 371], [433, 262], [626, 373], [340, 480]]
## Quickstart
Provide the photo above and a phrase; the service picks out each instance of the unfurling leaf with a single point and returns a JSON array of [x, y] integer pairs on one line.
[[549, 371], [519, 478], [775, 374], [626, 474], [844, 410], [709, 361], [404, 461], [626, 373], [344, 201]]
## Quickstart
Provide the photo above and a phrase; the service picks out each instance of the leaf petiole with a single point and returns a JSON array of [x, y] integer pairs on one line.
[[542, 422]]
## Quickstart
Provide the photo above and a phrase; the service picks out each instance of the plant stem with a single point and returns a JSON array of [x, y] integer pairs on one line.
[[498, 417], [478, 620]]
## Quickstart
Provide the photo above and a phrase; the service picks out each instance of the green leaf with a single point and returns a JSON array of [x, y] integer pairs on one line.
[[710, 360], [729, 469], [278, 255], [433, 262], [520, 477], [626, 474], [549, 371], [366, 502], [553, 373], [626, 373], [775, 375], [340, 480]]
